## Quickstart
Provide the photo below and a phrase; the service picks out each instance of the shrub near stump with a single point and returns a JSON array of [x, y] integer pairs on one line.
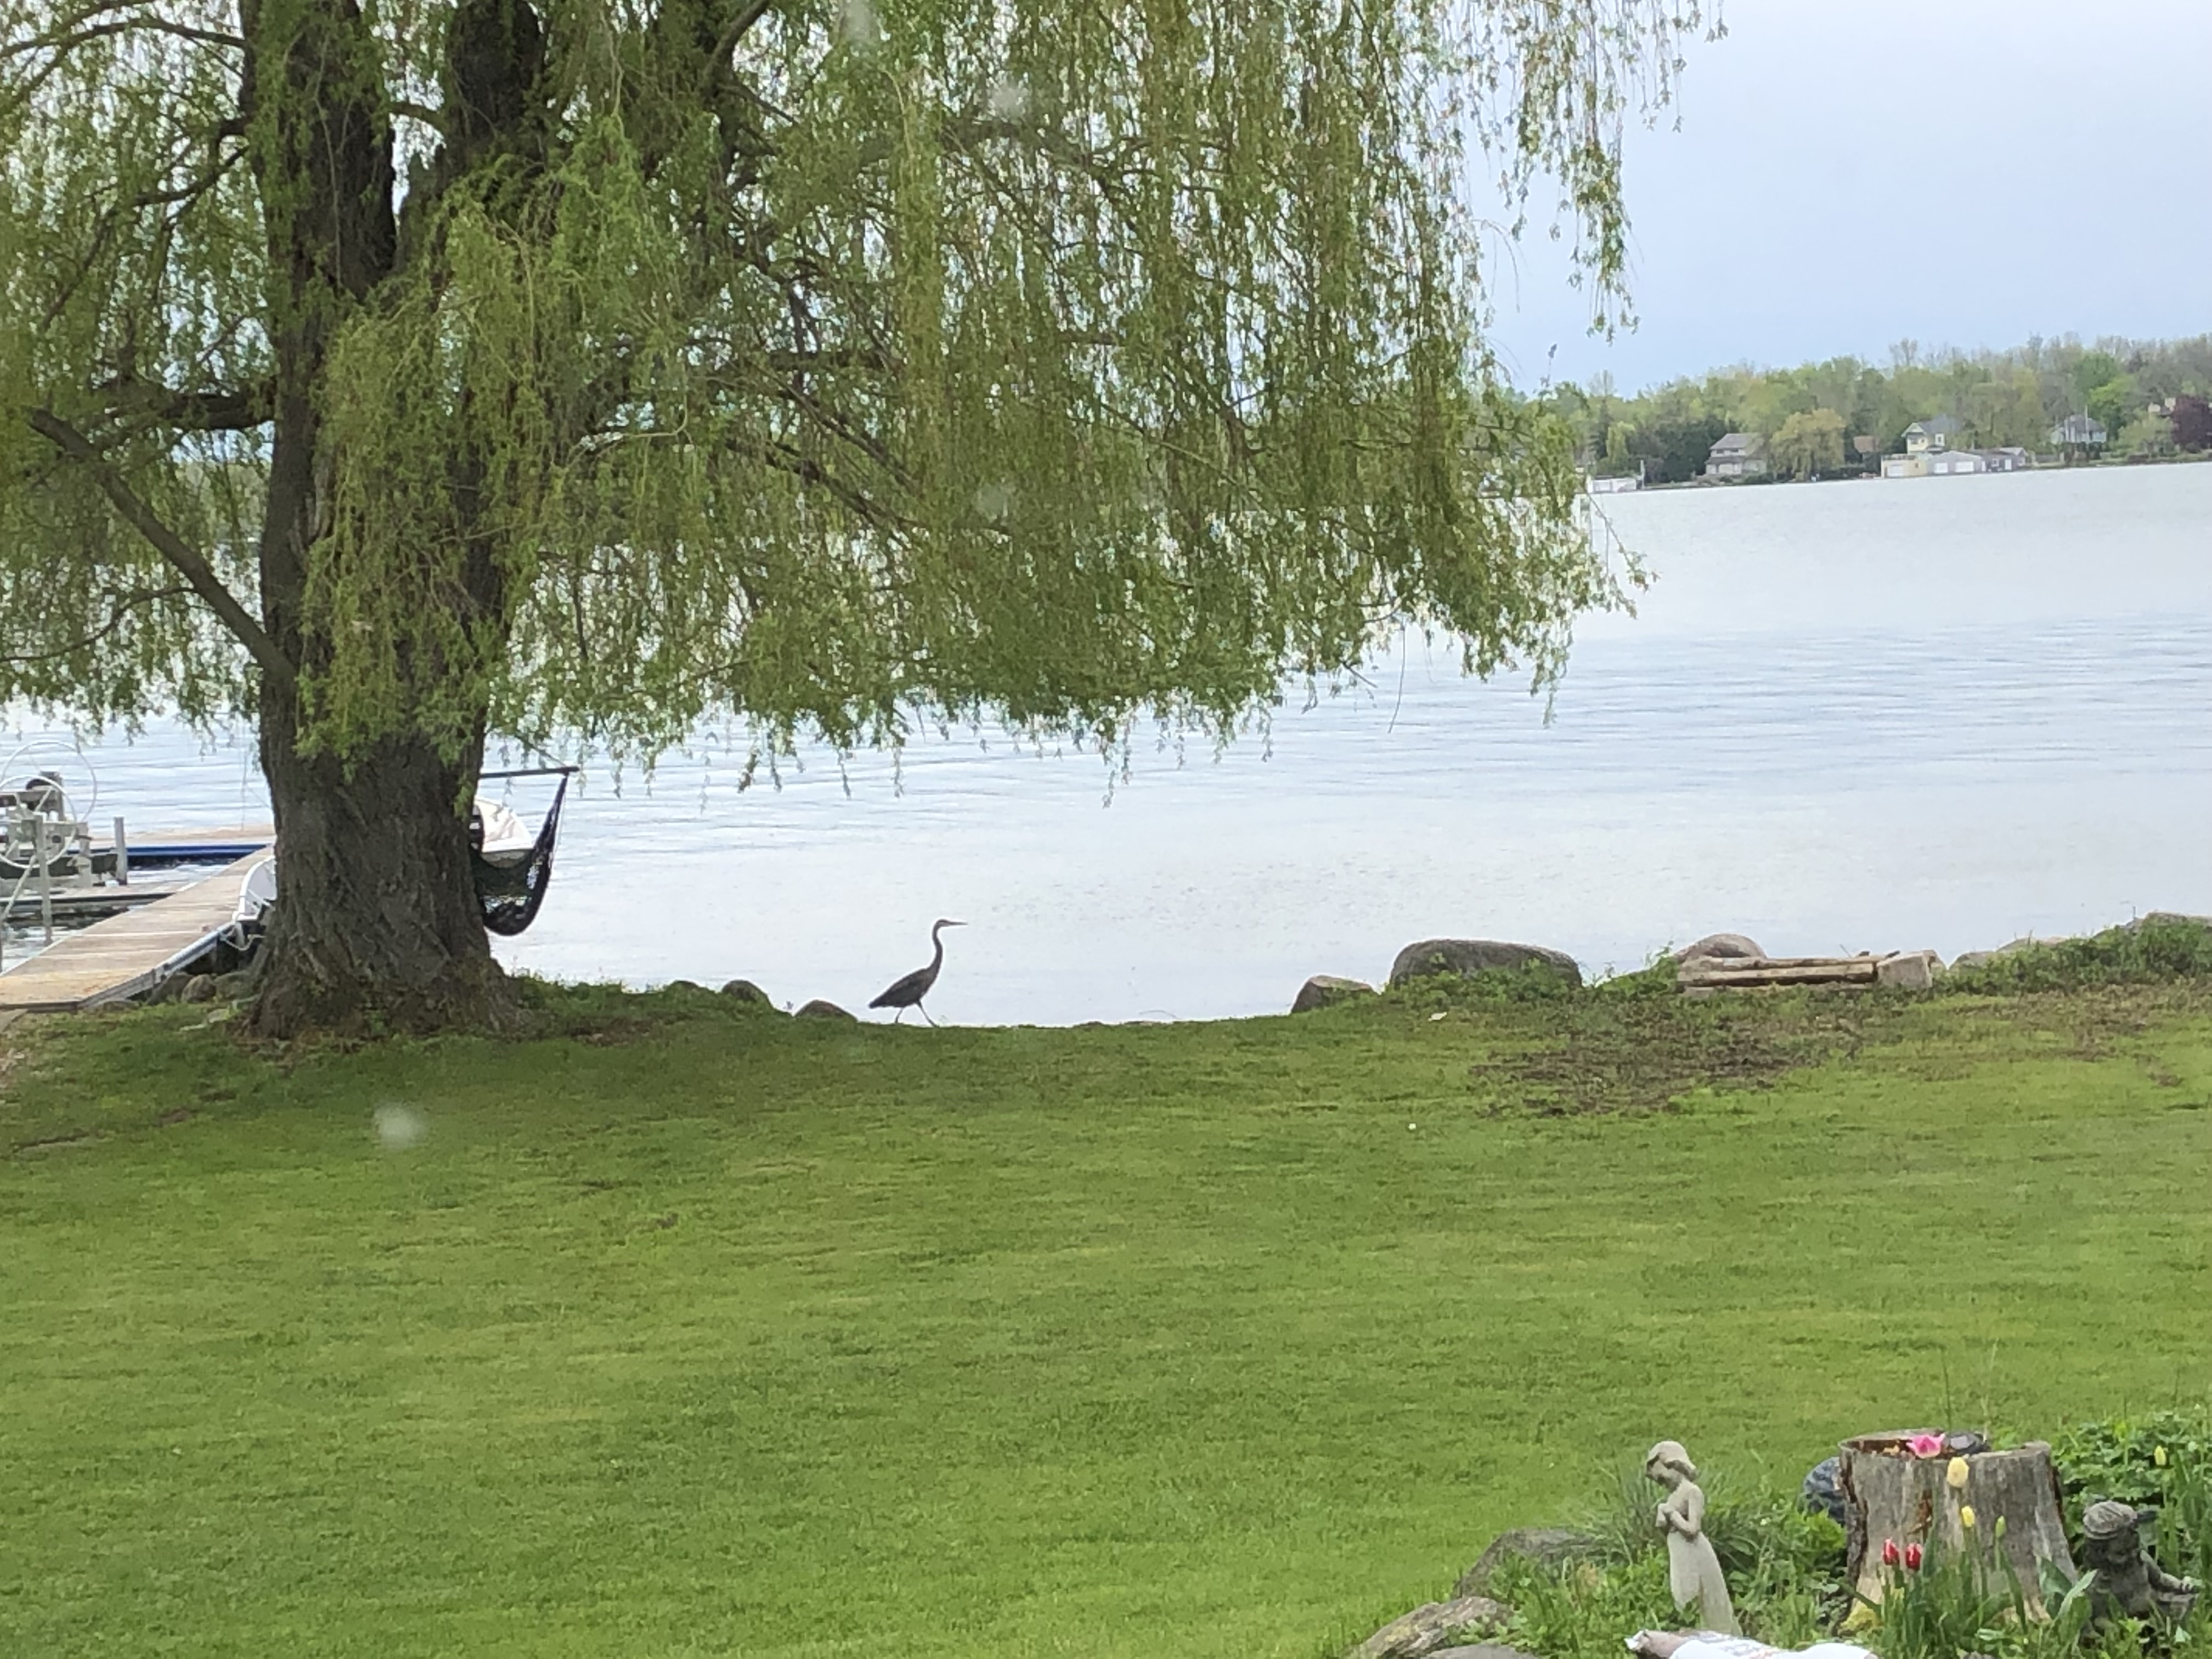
[[1891, 1494]]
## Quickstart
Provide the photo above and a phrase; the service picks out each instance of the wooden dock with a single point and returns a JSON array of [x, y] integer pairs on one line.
[[111, 958]]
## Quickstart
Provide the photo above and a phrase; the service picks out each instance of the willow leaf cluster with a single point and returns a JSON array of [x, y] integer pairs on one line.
[[825, 364]]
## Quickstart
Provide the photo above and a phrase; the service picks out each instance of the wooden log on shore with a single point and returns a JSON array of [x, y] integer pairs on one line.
[[1715, 973]]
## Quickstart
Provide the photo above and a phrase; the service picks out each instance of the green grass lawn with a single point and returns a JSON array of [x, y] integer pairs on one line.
[[744, 1335]]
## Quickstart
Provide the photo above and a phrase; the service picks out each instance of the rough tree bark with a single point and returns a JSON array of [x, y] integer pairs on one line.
[[1892, 1496], [376, 925]]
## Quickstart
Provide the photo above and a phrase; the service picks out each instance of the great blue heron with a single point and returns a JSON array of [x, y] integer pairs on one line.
[[906, 991]]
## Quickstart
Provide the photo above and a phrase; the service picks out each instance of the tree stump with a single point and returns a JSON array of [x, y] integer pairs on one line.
[[1889, 1494]]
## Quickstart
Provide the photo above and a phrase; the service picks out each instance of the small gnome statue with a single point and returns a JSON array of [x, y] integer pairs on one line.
[[2128, 1581], [1693, 1571]]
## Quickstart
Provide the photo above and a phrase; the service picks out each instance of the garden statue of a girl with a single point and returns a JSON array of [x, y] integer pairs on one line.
[[1693, 1571]]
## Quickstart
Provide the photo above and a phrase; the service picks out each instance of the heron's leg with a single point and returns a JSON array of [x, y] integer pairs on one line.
[[924, 1013], [899, 1016]]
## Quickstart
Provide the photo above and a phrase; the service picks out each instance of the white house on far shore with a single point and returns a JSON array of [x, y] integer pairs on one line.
[[1928, 454], [1738, 455], [1931, 436]]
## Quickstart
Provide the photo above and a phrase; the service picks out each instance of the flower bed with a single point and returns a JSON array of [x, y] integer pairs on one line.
[[1956, 1590]]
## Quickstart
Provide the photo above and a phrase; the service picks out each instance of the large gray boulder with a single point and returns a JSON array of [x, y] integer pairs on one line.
[[1476, 956], [1909, 971], [744, 991], [1430, 1628], [1326, 991], [1724, 947], [821, 1009], [1548, 1547]]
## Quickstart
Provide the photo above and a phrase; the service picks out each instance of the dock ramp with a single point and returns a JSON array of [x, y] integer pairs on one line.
[[127, 955]]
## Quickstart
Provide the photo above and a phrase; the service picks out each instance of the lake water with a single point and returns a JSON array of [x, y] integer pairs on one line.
[[1884, 715]]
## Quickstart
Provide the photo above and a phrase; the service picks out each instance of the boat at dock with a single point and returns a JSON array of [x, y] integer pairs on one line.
[[201, 912]]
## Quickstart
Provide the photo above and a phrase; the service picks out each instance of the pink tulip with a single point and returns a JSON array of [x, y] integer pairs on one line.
[[1925, 1445], [1889, 1555], [1913, 1557]]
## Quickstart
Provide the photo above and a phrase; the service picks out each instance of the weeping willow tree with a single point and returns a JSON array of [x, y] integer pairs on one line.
[[399, 374]]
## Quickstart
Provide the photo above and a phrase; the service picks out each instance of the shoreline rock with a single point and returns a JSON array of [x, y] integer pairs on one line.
[[1327, 990], [1430, 1628], [1548, 1546], [1725, 947], [1909, 971], [1466, 956]]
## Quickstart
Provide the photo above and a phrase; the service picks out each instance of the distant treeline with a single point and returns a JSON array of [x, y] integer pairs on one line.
[[2148, 395]]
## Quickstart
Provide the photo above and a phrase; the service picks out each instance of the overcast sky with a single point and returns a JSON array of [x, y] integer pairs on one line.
[[1969, 172]]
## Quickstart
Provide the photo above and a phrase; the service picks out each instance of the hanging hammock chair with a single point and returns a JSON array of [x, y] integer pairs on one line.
[[512, 875]]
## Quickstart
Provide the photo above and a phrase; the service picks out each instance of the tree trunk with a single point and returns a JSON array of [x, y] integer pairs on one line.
[[1890, 1496], [376, 926]]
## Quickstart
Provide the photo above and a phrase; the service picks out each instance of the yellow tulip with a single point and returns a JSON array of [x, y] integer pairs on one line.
[[2158, 1456], [1966, 1515], [1955, 1476]]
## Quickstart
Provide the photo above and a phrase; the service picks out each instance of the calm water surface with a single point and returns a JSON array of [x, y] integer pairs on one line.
[[1930, 712]]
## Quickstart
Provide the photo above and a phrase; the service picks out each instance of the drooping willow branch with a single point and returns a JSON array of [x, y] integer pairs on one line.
[[120, 606], [186, 559]]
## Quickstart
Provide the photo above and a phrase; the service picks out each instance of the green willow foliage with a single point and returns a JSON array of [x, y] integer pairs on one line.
[[829, 365]]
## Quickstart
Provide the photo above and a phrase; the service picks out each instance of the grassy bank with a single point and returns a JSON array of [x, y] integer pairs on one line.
[[703, 1332]]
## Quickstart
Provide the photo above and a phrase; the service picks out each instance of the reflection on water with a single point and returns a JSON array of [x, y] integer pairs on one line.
[[1924, 713]]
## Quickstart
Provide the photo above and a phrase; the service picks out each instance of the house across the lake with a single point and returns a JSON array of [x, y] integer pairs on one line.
[[1738, 455], [1931, 436], [2078, 432]]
